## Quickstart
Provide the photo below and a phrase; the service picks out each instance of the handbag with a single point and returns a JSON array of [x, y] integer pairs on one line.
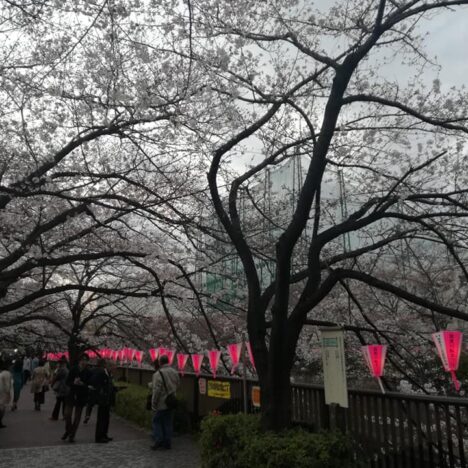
[[171, 400]]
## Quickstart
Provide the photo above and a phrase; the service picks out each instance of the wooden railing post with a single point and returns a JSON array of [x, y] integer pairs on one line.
[[195, 396]]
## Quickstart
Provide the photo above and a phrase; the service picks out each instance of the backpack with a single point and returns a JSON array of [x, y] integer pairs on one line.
[[171, 400]]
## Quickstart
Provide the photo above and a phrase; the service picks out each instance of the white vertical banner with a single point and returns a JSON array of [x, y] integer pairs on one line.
[[334, 366]]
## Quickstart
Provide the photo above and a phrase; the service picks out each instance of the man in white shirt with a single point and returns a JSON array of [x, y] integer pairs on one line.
[[5, 389], [27, 369]]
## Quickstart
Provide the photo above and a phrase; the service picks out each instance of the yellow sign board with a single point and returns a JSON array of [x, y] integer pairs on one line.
[[256, 396], [218, 389]]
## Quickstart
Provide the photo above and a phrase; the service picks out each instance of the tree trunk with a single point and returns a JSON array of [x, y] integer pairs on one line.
[[276, 397], [73, 350]]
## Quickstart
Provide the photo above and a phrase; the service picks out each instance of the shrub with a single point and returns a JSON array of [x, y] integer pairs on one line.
[[131, 405], [222, 438], [237, 441]]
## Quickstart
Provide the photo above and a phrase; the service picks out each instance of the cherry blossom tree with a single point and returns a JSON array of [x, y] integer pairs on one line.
[[317, 82], [88, 165]]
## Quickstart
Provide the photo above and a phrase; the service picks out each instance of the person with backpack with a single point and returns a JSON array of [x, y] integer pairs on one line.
[[165, 384]]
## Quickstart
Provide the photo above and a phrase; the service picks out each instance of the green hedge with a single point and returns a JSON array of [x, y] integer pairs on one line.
[[131, 405], [237, 441]]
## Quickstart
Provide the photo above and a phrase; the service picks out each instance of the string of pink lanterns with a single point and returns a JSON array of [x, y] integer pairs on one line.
[[128, 355], [448, 344]]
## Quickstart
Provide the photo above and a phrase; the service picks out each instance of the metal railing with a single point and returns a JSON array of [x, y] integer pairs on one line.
[[393, 429]]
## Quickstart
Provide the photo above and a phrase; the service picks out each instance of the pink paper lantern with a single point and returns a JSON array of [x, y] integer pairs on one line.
[[249, 350], [374, 356], [197, 360], [182, 362], [214, 356], [162, 351], [170, 353], [448, 344], [115, 355], [139, 356], [234, 351], [153, 354], [122, 355]]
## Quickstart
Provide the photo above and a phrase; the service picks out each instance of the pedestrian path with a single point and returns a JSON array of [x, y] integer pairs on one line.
[[31, 440]]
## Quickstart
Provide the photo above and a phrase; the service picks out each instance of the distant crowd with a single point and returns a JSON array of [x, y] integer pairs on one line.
[[81, 387]]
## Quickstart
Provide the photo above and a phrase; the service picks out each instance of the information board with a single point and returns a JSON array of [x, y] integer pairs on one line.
[[218, 389], [334, 366]]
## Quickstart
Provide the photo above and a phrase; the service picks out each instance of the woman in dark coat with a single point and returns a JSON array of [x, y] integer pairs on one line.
[[60, 387], [17, 376], [105, 397]]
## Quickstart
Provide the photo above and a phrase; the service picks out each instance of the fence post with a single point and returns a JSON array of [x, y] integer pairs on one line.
[[244, 379], [196, 410]]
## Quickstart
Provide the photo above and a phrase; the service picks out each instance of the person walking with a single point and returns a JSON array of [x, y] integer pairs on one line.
[[105, 396], [92, 397], [18, 381], [34, 363], [60, 387], [78, 382], [165, 384], [39, 385], [27, 369], [5, 389]]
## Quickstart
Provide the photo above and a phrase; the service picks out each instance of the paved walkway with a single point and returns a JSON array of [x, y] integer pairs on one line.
[[31, 440]]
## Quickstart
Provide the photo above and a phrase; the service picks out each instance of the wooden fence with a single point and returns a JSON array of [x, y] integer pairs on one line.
[[395, 430]]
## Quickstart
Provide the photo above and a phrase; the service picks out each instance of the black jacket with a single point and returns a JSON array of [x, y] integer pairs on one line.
[[78, 391], [104, 389]]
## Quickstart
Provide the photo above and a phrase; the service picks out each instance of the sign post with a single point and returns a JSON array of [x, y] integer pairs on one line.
[[334, 366]]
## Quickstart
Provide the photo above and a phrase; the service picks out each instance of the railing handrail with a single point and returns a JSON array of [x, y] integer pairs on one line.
[[456, 401]]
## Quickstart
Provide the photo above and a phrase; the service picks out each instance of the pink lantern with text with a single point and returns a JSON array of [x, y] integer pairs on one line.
[[182, 362], [197, 360], [374, 356], [115, 355], [234, 351], [448, 344], [122, 355], [153, 352], [249, 350], [214, 356]]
